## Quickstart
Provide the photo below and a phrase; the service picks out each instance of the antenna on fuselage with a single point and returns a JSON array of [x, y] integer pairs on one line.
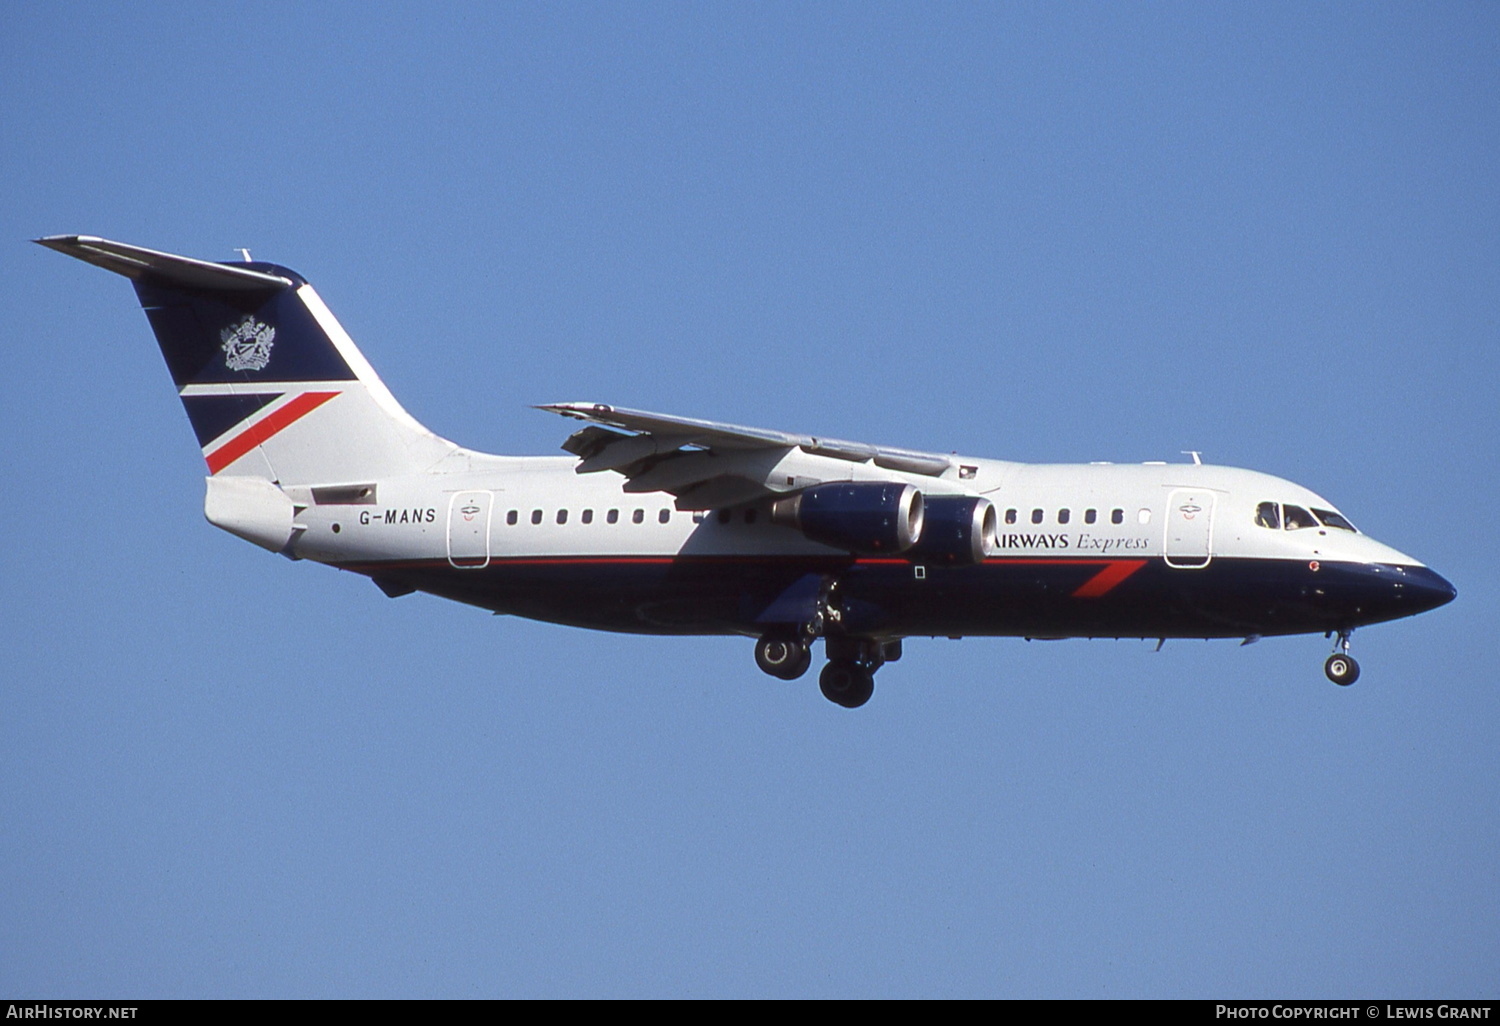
[[244, 255], [1196, 455]]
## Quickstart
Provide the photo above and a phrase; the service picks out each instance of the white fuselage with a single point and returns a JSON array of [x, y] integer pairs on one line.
[[539, 506]]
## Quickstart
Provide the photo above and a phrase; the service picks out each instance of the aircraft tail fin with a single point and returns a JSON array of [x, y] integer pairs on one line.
[[273, 385]]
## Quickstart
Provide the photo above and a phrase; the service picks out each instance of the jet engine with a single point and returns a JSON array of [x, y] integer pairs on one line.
[[957, 529], [869, 517]]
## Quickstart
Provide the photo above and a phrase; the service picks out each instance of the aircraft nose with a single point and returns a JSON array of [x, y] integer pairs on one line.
[[1388, 591], [1426, 589]]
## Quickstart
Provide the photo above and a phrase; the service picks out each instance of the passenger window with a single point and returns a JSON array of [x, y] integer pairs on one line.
[[536, 516], [1010, 516], [588, 516], [1090, 515], [1117, 516], [638, 517], [1144, 516], [1063, 515], [665, 516], [1036, 516], [1297, 518], [512, 517], [749, 516], [724, 516], [1332, 519], [1267, 515], [613, 516], [562, 516]]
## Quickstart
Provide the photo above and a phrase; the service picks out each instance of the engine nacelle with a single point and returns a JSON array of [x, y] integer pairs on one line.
[[868, 517], [957, 529]]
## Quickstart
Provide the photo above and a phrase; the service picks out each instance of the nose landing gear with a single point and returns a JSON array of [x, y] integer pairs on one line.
[[1341, 667]]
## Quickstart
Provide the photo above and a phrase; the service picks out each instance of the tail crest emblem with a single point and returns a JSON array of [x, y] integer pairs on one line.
[[247, 345]]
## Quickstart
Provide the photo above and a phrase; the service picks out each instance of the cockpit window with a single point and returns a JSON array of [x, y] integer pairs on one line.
[[1297, 517], [1332, 519], [1267, 514]]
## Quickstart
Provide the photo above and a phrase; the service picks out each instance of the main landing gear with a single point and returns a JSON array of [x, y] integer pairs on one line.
[[847, 683], [787, 658], [848, 679], [1341, 667], [785, 650]]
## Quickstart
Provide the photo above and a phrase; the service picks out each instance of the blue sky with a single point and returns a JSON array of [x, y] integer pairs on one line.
[[1038, 232]]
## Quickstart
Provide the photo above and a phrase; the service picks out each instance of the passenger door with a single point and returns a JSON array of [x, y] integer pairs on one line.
[[469, 529], [1189, 528]]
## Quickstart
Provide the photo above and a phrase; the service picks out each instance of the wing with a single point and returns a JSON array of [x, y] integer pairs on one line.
[[709, 465]]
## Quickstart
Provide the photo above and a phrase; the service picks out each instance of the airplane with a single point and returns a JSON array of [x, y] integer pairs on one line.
[[657, 524]]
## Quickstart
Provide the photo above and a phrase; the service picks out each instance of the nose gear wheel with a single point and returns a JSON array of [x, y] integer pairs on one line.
[[1341, 667]]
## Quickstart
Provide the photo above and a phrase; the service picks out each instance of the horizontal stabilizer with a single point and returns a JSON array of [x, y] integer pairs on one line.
[[135, 263]]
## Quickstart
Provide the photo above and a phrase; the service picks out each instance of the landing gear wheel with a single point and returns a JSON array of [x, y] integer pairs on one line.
[[846, 683], [1341, 669], [782, 657]]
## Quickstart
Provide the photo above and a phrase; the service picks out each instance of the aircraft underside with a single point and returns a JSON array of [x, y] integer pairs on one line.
[[1036, 597], [861, 608]]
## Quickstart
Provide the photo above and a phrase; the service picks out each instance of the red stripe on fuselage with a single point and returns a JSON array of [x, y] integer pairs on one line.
[[1102, 583], [1105, 580], [582, 560], [264, 430], [1110, 575]]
